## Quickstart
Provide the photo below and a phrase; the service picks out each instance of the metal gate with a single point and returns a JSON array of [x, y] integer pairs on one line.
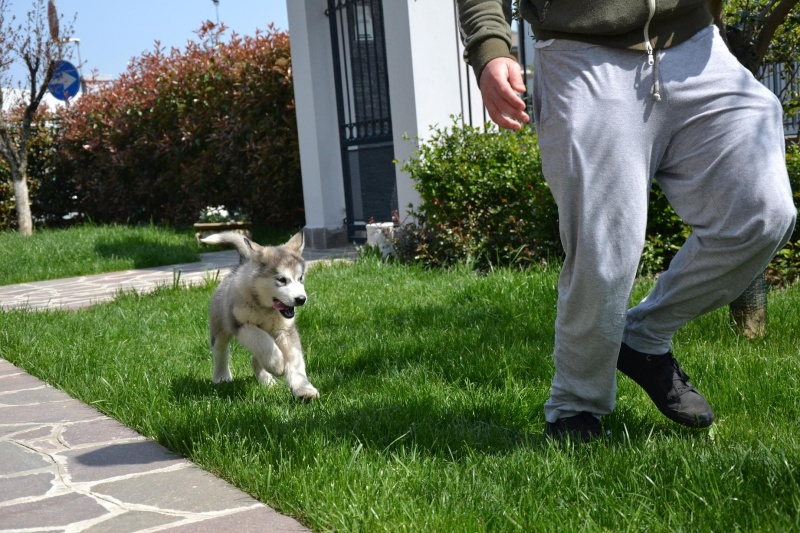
[[365, 124], [783, 83]]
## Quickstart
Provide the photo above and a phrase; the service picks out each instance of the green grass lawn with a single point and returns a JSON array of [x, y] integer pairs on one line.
[[431, 417], [91, 249], [95, 249]]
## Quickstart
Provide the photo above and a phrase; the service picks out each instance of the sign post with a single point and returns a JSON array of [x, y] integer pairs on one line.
[[66, 81]]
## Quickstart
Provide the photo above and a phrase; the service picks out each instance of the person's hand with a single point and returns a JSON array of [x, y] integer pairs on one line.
[[500, 82]]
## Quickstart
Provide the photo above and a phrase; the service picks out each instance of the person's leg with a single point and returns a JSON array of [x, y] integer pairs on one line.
[[725, 175], [597, 133]]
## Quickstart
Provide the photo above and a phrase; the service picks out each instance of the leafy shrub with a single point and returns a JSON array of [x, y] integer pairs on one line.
[[183, 130], [793, 166], [785, 268], [483, 200]]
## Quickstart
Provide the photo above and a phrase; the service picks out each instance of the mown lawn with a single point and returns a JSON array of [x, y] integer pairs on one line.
[[91, 249], [95, 249], [431, 417]]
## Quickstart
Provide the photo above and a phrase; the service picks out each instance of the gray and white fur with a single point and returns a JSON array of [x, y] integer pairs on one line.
[[256, 304]]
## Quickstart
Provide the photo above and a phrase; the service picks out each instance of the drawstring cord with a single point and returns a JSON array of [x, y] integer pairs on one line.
[[656, 82], [652, 60]]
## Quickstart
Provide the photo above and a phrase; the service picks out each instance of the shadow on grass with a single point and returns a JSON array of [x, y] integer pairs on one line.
[[381, 423], [448, 430], [145, 253], [628, 425], [191, 388]]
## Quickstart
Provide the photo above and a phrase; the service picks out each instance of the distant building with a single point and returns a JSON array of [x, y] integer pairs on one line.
[[366, 91], [12, 96]]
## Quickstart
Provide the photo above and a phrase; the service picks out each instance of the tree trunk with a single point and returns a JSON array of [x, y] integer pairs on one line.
[[22, 199], [749, 311]]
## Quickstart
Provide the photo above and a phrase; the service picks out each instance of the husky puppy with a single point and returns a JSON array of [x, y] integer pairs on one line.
[[256, 304]]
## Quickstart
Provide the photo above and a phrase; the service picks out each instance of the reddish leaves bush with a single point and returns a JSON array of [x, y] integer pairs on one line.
[[212, 124]]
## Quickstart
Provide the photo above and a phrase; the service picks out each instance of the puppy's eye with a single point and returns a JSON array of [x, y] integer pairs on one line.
[[281, 280]]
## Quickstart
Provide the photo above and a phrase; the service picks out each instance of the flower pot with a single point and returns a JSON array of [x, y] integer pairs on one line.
[[379, 235], [204, 229]]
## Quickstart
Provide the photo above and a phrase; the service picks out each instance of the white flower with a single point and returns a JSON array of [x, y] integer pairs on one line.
[[221, 214]]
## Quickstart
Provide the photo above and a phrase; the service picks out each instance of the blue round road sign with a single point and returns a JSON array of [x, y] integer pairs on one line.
[[66, 81]]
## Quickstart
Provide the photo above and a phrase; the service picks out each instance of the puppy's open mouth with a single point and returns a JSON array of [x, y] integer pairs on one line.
[[283, 309]]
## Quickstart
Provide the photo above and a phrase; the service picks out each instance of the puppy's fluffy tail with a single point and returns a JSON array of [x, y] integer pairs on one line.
[[243, 245]]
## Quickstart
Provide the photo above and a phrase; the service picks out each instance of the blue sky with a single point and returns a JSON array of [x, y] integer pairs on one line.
[[111, 32]]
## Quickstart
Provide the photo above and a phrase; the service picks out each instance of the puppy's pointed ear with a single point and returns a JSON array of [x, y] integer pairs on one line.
[[297, 242]]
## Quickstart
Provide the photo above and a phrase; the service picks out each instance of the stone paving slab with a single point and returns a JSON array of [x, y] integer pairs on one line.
[[56, 511], [83, 291], [133, 521], [65, 467]]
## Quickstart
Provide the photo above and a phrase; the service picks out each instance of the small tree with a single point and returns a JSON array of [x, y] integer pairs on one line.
[[759, 30], [37, 42]]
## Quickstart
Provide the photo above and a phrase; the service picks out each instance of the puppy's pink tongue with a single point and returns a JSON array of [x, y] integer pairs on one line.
[[279, 305]]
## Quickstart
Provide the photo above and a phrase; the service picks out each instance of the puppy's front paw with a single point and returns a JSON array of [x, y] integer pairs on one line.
[[223, 377], [306, 392], [265, 378]]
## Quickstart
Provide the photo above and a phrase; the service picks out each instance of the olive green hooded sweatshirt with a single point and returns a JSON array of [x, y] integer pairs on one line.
[[633, 24]]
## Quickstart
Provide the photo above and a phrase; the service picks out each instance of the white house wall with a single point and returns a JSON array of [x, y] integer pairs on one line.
[[428, 81]]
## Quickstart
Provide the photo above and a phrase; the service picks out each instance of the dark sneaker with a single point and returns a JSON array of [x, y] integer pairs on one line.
[[667, 385], [583, 427]]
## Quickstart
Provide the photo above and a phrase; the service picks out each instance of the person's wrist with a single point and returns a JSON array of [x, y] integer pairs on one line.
[[486, 51]]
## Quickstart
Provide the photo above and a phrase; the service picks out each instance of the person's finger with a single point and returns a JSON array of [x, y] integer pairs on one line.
[[511, 106], [506, 117], [502, 102], [501, 118], [515, 79]]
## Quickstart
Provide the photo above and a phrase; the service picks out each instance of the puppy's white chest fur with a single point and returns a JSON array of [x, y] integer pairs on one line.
[[267, 319]]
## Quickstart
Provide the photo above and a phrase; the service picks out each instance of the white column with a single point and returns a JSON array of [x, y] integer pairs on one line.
[[428, 80], [317, 123]]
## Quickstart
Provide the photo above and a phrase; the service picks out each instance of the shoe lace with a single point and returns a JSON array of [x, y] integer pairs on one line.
[[679, 378]]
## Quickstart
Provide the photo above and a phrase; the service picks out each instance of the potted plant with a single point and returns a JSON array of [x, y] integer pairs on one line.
[[380, 235], [218, 219]]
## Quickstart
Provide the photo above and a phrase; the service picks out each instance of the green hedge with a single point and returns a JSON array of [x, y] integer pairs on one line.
[[183, 130], [484, 201], [176, 132], [785, 268]]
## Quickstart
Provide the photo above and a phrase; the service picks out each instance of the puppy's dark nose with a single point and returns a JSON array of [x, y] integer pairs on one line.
[[300, 300]]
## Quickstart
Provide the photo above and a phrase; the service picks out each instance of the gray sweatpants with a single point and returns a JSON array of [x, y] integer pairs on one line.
[[714, 143]]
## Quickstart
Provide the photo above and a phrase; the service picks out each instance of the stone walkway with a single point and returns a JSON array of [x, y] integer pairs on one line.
[[65, 467], [82, 291]]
